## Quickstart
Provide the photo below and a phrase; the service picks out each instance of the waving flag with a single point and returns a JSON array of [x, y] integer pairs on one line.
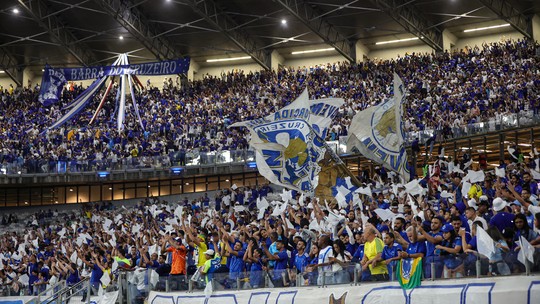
[[291, 152], [377, 133], [409, 272], [485, 244], [288, 150], [526, 252]]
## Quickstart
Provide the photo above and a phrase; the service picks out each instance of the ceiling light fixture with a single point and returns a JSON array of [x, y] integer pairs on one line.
[[2, 72], [283, 21], [228, 59], [313, 51], [15, 10], [396, 41], [121, 37], [486, 28]]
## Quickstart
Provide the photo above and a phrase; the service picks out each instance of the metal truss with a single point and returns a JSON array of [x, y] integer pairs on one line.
[[9, 64], [49, 21], [318, 25], [510, 14], [130, 17], [412, 21], [209, 10]]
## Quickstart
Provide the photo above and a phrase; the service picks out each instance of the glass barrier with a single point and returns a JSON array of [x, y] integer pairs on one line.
[[135, 285], [213, 158], [509, 121]]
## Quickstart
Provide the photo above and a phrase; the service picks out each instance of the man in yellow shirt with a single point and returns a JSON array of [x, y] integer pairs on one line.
[[197, 242], [373, 249]]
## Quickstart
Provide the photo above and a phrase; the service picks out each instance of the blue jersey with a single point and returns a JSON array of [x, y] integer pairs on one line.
[[391, 252], [210, 266]]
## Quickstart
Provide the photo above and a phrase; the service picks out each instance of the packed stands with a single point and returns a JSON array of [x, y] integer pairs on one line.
[[253, 237]]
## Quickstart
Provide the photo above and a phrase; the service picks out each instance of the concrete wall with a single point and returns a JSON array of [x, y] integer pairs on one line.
[[472, 41], [302, 60], [216, 69], [390, 53], [5, 81]]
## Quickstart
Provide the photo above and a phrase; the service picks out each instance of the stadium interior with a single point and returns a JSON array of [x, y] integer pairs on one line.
[[145, 189]]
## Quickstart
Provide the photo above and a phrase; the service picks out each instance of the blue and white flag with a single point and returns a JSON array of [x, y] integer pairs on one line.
[[291, 152], [54, 79], [287, 147], [377, 133]]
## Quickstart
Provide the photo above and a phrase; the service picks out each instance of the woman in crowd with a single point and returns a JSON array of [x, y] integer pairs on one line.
[[450, 250]]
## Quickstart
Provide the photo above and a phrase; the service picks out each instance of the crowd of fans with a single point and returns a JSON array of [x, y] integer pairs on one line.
[[447, 92], [250, 237]]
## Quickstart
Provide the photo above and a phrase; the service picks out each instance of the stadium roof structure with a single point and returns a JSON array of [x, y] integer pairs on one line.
[[93, 32]]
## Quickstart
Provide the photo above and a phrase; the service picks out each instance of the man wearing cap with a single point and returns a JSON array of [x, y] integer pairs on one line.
[[213, 262], [178, 263], [501, 219]]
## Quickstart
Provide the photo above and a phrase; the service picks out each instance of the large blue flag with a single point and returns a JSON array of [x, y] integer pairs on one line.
[[54, 79]]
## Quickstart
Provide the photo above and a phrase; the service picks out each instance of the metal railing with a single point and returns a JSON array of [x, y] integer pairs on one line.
[[46, 295], [197, 158]]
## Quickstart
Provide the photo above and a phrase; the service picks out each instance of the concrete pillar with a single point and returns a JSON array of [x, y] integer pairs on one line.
[[28, 78], [449, 40], [361, 51], [276, 60], [193, 68], [536, 27]]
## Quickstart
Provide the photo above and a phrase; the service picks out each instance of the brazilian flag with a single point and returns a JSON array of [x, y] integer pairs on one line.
[[409, 272]]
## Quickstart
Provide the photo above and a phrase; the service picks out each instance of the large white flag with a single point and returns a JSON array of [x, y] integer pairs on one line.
[[291, 152], [485, 244], [377, 132]]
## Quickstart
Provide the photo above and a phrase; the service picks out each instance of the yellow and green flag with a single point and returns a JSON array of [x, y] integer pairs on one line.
[[409, 272]]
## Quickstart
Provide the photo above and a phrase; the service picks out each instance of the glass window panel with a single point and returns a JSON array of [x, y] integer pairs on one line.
[[118, 192], [95, 193], [225, 182], [177, 186], [71, 194], [165, 187], [84, 194], [129, 190], [189, 186], [107, 191], [11, 197], [142, 190], [153, 189]]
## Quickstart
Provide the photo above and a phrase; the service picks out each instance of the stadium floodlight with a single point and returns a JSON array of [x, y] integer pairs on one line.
[[397, 41], [313, 51], [103, 174], [486, 28], [228, 59]]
